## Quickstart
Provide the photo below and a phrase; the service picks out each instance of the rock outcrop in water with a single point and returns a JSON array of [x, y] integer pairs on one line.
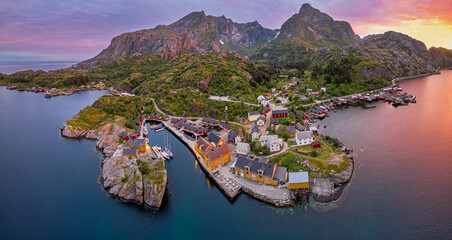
[[330, 189], [141, 179]]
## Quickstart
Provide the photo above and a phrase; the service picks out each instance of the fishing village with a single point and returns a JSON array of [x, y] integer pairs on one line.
[[227, 152], [274, 155]]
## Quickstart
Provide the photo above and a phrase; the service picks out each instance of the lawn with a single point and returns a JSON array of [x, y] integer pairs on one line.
[[88, 118]]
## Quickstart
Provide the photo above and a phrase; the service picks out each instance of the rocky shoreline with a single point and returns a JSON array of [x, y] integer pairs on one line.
[[121, 176], [330, 189]]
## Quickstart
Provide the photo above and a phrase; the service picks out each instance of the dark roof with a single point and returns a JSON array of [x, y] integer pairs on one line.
[[190, 127], [263, 159], [316, 110], [275, 121], [243, 120], [280, 174], [143, 115], [255, 128], [291, 129], [253, 113], [225, 125], [202, 129], [130, 151], [138, 129], [267, 168], [137, 121], [211, 121], [280, 111], [231, 135], [136, 142], [213, 138], [124, 134]]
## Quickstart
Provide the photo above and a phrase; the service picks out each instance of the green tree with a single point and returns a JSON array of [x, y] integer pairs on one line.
[[286, 136]]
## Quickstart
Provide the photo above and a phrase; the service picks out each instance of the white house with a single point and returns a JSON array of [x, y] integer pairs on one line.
[[260, 98], [243, 148], [252, 116], [323, 89], [303, 97], [304, 138], [261, 121], [238, 136], [271, 141], [255, 132]]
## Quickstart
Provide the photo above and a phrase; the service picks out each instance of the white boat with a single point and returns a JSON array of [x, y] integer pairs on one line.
[[170, 154], [164, 154], [166, 142]]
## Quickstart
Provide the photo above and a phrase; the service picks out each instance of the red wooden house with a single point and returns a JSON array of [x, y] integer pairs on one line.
[[280, 113]]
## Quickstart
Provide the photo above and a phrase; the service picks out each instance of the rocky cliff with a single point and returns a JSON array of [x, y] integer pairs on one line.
[[194, 33], [305, 32], [441, 56], [399, 53], [141, 179], [330, 189]]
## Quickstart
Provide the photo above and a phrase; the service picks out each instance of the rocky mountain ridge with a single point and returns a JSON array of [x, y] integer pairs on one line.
[[194, 33], [309, 36]]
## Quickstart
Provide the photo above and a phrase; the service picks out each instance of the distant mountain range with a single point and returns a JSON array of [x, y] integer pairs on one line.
[[309, 36]]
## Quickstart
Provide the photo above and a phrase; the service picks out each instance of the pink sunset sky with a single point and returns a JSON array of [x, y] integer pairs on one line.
[[79, 29]]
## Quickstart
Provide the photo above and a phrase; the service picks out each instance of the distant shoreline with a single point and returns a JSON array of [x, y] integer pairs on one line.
[[10, 67]]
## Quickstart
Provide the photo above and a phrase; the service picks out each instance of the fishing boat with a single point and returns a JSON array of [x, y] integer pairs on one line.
[[163, 153], [153, 126], [145, 132]]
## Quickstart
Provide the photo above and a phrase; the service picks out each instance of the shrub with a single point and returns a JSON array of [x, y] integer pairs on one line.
[[314, 154]]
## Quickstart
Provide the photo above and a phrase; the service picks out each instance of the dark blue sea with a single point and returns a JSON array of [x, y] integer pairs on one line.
[[401, 188]]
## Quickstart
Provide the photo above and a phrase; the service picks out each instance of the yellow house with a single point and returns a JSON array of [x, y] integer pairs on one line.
[[256, 170], [202, 146], [298, 180], [217, 156], [130, 152], [140, 144]]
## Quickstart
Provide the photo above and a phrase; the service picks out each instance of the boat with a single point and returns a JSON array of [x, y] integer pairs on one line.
[[163, 153], [153, 126], [170, 154], [11, 87], [159, 129], [165, 139], [47, 95]]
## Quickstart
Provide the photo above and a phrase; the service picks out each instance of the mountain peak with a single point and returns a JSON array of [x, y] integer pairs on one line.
[[305, 7], [308, 13]]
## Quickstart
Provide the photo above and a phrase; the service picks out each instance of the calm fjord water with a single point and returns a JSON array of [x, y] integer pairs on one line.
[[401, 187]]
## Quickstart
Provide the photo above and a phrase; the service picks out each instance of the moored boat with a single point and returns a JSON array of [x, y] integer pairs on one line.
[[170, 154]]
